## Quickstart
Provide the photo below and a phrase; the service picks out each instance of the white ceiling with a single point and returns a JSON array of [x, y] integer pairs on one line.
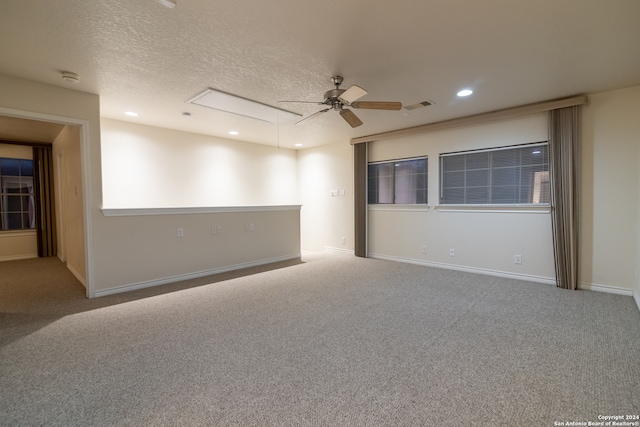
[[141, 56]]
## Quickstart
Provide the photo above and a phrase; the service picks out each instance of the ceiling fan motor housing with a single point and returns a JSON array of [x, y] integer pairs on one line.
[[331, 98]]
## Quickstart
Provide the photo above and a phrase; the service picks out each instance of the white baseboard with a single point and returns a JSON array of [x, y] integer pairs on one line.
[[195, 275], [636, 297], [77, 275], [605, 288], [17, 257], [488, 272], [340, 250]]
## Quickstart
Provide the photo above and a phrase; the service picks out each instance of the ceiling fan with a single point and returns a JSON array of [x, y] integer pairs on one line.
[[338, 98]]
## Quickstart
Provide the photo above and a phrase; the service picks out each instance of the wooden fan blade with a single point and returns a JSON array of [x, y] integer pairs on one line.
[[350, 118], [313, 115], [351, 94], [377, 105]]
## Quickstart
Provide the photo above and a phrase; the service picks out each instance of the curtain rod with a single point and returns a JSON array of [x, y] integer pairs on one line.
[[505, 113]]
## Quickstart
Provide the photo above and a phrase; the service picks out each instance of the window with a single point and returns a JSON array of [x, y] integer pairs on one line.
[[398, 182], [511, 175], [17, 203]]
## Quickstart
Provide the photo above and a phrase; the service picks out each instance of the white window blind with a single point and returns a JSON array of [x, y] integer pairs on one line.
[[516, 175]]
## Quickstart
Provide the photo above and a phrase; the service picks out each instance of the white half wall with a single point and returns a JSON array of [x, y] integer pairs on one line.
[[146, 249]]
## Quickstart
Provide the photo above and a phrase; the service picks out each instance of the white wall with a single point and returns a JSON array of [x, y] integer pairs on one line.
[[24, 243], [326, 219], [484, 241], [145, 166], [70, 201], [148, 168], [636, 293], [264, 174], [610, 214]]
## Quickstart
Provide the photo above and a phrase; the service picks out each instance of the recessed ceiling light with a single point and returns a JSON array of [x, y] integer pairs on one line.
[[465, 92], [131, 113], [186, 114], [298, 145], [233, 132]]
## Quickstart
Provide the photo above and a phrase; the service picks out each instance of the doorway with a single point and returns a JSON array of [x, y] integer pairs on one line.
[[67, 213]]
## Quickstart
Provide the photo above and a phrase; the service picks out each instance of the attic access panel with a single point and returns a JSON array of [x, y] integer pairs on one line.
[[229, 103]]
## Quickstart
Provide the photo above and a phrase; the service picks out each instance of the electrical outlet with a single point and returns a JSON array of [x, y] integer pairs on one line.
[[424, 249], [452, 252], [180, 232], [219, 229], [251, 227], [517, 259], [344, 240]]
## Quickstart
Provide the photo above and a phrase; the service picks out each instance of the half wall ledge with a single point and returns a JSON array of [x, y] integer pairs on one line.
[[109, 212]]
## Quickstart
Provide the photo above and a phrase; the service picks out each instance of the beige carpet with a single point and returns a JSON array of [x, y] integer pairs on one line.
[[332, 341]]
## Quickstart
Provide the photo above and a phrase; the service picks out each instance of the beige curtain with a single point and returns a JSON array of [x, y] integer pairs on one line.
[[564, 141], [360, 198]]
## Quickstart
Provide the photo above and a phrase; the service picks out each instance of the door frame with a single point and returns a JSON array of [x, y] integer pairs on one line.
[[86, 179]]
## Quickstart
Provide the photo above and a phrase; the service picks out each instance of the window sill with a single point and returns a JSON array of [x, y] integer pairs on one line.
[[529, 209], [393, 207], [17, 233]]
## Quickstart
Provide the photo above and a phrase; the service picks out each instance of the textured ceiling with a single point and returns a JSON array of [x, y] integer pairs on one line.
[[142, 56]]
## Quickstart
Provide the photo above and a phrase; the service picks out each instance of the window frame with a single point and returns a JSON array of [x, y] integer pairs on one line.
[[27, 214], [493, 207], [393, 205]]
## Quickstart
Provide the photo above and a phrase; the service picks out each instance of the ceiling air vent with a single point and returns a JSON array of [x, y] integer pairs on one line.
[[418, 105]]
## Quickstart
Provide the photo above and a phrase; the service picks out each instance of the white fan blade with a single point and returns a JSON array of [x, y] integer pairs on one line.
[[351, 94], [313, 115]]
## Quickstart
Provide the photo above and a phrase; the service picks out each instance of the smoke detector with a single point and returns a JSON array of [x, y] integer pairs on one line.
[[70, 77]]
